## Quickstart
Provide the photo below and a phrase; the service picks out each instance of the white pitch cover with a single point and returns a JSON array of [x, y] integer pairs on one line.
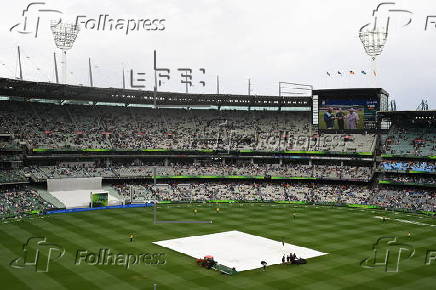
[[237, 249]]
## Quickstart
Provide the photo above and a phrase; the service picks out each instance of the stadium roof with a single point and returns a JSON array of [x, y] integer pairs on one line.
[[51, 91], [409, 114], [413, 117], [350, 92]]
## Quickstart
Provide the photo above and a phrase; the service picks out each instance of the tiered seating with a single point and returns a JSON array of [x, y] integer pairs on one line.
[[21, 200], [407, 140], [344, 143], [138, 193], [413, 199], [402, 178], [99, 127], [11, 176], [322, 193], [48, 172], [422, 166], [253, 192], [201, 168], [8, 146]]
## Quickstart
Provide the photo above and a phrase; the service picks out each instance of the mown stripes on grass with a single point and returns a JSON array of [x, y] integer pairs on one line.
[[346, 234]]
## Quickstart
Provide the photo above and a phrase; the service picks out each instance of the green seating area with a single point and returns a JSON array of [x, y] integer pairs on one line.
[[12, 176], [8, 146], [411, 141], [20, 201]]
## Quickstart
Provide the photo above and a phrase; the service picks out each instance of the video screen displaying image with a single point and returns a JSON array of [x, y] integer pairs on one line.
[[99, 199], [347, 114]]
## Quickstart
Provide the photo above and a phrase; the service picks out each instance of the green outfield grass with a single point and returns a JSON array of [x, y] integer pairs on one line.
[[347, 235]]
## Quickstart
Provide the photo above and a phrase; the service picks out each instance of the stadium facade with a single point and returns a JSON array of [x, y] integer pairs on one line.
[[338, 146]]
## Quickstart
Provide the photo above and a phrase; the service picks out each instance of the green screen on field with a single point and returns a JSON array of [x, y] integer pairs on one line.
[[99, 199]]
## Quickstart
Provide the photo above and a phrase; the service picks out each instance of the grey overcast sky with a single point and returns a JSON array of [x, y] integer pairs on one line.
[[268, 41]]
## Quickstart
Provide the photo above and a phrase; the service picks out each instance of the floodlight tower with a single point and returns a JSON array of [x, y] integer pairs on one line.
[[374, 39], [64, 36]]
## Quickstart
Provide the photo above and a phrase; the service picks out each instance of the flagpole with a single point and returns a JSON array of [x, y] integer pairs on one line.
[[348, 79], [375, 71]]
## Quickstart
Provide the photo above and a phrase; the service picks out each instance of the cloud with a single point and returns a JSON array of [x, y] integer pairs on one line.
[[269, 41]]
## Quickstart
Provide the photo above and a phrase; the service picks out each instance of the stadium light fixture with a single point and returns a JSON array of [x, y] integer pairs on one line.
[[64, 35], [373, 41]]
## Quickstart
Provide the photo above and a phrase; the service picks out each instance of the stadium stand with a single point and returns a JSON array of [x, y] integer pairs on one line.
[[12, 176], [51, 126], [419, 180], [352, 168], [421, 166], [310, 192], [17, 201], [412, 199], [41, 173], [408, 140]]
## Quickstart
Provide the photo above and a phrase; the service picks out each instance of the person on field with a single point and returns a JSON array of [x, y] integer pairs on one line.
[[329, 118], [340, 119], [263, 265], [352, 119]]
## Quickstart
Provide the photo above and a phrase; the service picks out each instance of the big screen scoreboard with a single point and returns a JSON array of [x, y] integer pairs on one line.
[[349, 110]]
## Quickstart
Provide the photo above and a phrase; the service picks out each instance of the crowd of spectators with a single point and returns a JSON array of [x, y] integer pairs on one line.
[[309, 192], [10, 158], [423, 166], [247, 192], [6, 146], [89, 169], [18, 201], [203, 192], [412, 199], [12, 176], [401, 178], [22, 200], [410, 140], [42, 173], [102, 127]]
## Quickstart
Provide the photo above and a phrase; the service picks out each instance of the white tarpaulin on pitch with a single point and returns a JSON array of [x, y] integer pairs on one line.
[[237, 249]]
